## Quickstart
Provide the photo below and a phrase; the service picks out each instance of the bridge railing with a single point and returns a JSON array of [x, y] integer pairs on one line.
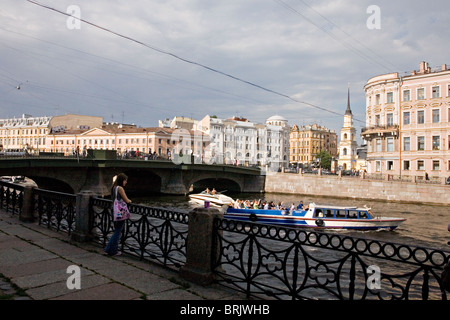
[[55, 210], [284, 263], [11, 197], [151, 233], [267, 262]]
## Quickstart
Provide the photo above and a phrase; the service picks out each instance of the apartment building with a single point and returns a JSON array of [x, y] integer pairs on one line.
[[408, 122], [31, 133], [307, 141], [238, 141], [165, 142], [27, 132]]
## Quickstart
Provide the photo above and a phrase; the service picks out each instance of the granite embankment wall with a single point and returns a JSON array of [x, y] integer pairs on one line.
[[357, 188]]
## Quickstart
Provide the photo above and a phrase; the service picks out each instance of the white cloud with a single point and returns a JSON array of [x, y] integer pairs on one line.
[[310, 53]]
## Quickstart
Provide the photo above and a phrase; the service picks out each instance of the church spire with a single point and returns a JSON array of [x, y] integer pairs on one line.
[[348, 111]]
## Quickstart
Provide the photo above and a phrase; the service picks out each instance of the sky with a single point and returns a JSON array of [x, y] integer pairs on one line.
[[142, 61]]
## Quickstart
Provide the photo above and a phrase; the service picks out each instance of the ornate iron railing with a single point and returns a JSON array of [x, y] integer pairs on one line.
[[56, 210], [11, 197], [151, 233], [283, 263]]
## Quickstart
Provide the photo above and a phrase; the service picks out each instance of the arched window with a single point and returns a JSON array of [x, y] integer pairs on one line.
[[344, 151]]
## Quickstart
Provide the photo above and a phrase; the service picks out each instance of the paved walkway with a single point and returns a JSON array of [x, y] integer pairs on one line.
[[34, 262]]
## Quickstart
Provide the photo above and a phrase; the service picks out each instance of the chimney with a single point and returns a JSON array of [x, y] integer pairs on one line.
[[423, 67], [444, 67]]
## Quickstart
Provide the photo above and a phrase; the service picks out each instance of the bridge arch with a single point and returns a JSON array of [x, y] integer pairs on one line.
[[52, 184], [220, 184], [142, 182]]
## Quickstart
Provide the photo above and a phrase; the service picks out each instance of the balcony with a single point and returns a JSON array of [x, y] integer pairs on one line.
[[372, 132]]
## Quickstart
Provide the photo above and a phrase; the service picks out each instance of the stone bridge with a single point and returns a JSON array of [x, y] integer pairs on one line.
[[72, 175]]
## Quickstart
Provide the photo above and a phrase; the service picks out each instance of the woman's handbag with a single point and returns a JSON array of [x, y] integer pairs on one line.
[[120, 209]]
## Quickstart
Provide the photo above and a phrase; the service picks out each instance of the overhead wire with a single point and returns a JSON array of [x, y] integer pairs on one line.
[[178, 57], [140, 69], [351, 37], [332, 35]]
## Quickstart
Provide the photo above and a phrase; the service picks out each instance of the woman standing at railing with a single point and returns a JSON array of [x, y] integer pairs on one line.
[[119, 195]]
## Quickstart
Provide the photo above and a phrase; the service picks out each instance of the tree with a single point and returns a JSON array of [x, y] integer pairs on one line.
[[325, 159]]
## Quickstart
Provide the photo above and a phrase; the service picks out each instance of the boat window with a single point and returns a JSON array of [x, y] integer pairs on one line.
[[363, 215], [318, 213], [329, 213], [352, 214], [340, 213]]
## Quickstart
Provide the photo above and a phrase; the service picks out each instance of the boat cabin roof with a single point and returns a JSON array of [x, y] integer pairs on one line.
[[326, 206]]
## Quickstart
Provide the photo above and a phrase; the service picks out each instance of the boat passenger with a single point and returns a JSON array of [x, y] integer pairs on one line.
[[213, 192], [272, 205], [206, 191], [300, 206], [291, 211], [266, 205]]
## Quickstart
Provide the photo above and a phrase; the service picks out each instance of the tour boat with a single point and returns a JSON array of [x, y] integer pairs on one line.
[[317, 216], [215, 200]]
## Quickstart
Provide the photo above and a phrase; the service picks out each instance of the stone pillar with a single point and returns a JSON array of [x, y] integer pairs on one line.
[[200, 249], [27, 214], [173, 183], [82, 232]]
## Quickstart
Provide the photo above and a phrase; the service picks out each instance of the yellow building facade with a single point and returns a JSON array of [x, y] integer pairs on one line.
[[307, 141]]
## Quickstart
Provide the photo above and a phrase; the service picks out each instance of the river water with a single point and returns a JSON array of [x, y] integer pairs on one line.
[[425, 225]]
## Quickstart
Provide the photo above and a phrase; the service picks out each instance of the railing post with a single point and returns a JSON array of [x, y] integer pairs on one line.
[[27, 213], [200, 249], [82, 232]]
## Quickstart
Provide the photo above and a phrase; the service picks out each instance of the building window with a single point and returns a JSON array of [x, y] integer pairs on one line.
[[377, 120], [378, 166], [406, 144], [378, 145], [390, 165], [436, 165], [436, 92], [406, 165], [390, 144], [377, 99], [435, 115], [421, 116], [390, 119], [420, 165], [390, 97], [421, 143], [436, 143], [421, 94], [406, 117], [406, 95]]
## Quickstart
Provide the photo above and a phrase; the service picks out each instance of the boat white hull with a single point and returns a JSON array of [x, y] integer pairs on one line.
[[279, 217], [214, 200]]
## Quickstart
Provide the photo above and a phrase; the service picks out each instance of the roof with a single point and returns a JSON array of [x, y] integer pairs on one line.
[[277, 118]]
